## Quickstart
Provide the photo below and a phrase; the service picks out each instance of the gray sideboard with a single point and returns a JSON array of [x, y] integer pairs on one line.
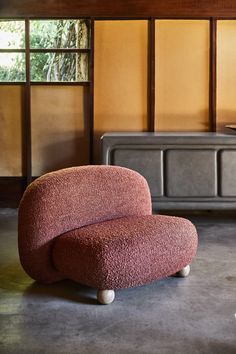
[[183, 170]]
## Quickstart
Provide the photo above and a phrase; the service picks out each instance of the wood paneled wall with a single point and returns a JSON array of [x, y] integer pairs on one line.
[[137, 78]]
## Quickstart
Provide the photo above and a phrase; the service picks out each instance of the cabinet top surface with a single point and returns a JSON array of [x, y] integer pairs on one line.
[[169, 138], [172, 134]]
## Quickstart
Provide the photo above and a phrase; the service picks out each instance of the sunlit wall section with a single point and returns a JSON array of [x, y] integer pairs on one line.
[[182, 75], [226, 73], [120, 102], [59, 136], [11, 114]]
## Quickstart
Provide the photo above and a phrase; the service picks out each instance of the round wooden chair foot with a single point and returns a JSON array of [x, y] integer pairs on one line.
[[106, 297], [184, 272]]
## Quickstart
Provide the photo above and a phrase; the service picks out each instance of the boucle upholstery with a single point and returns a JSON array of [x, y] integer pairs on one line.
[[126, 252], [93, 224], [69, 199]]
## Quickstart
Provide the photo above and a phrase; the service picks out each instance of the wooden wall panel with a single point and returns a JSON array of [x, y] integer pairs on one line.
[[59, 133], [120, 97], [226, 73], [131, 8], [11, 113], [182, 75]]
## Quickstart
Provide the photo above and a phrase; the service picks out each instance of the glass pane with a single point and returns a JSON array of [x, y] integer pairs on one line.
[[12, 67], [12, 34], [56, 67], [59, 34]]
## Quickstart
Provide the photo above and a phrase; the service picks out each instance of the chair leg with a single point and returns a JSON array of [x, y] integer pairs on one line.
[[106, 297], [183, 272]]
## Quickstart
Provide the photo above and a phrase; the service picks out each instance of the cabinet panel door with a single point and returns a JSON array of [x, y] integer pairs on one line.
[[191, 173], [148, 163], [228, 173]]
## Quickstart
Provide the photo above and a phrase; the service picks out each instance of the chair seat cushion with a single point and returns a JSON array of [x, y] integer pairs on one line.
[[125, 252]]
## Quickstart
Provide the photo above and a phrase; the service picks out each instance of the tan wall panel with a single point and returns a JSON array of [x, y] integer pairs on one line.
[[226, 73], [182, 75], [120, 102], [58, 128], [11, 112]]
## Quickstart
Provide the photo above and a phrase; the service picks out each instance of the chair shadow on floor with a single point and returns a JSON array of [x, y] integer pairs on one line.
[[13, 279], [66, 290]]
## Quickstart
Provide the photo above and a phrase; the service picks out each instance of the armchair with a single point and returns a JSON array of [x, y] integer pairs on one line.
[[94, 225]]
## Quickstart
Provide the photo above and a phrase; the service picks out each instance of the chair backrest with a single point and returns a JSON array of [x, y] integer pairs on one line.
[[71, 198]]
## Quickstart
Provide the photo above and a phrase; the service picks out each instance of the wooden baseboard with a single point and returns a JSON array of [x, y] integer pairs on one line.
[[11, 191]]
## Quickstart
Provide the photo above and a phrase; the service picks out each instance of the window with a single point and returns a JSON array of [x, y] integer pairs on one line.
[[58, 50]]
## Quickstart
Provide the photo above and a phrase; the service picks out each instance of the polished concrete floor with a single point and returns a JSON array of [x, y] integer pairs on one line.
[[196, 315]]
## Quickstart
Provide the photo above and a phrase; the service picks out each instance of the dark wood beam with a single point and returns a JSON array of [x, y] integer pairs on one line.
[[212, 74], [107, 8], [151, 75], [27, 147], [91, 95]]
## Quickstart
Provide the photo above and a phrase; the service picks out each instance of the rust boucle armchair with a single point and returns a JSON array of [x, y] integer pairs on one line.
[[93, 224]]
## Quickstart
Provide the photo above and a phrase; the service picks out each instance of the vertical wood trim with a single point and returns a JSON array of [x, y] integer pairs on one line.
[[27, 151], [151, 75], [212, 74], [91, 94]]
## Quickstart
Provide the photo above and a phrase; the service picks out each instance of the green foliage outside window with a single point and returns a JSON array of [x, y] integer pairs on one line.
[[12, 65], [45, 66]]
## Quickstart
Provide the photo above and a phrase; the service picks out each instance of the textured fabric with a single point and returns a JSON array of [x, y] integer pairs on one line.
[[69, 199], [126, 252]]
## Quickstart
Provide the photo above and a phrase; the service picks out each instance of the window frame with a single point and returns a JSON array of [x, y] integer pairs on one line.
[[27, 50]]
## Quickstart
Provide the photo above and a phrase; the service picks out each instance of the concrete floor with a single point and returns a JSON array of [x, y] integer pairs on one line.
[[171, 316]]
